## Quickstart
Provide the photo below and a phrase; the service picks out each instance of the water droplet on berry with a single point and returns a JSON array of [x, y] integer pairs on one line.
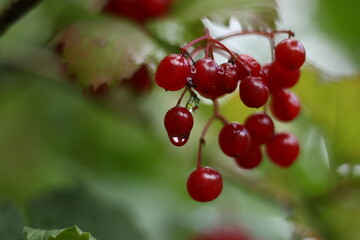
[[178, 140], [193, 104]]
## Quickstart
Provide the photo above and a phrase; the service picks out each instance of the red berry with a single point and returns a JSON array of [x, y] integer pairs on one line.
[[282, 77], [230, 77], [251, 159], [290, 54], [260, 127], [140, 82], [97, 92], [173, 72], [283, 149], [178, 123], [253, 92], [204, 184], [207, 79], [234, 140], [264, 73], [251, 64], [156, 8], [131, 9], [226, 232], [138, 10], [285, 105]]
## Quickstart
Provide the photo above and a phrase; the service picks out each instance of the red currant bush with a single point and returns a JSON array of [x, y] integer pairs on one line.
[[178, 123], [173, 72], [242, 142], [283, 149], [204, 184]]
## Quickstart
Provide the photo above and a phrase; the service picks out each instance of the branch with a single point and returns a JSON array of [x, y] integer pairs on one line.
[[14, 12]]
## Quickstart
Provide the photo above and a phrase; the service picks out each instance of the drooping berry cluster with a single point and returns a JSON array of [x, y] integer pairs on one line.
[[256, 85]]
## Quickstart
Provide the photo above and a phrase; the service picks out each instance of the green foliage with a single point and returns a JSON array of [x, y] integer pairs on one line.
[[11, 223], [83, 208], [338, 19], [73, 233], [132, 179], [104, 51], [184, 24], [259, 14], [334, 108]]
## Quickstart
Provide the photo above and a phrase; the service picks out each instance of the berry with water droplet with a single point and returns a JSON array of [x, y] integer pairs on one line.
[[204, 184], [178, 123]]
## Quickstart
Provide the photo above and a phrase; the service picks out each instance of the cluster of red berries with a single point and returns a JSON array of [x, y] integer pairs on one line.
[[138, 10], [256, 84]]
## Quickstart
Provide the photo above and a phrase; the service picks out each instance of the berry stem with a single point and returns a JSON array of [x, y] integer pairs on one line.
[[202, 139], [251, 32], [188, 55], [187, 46], [217, 113], [272, 48], [208, 50], [215, 48], [182, 96], [223, 47]]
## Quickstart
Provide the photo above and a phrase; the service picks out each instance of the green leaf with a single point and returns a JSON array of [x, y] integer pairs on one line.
[[336, 18], [261, 13], [104, 51], [84, 208], [73, 233], [176, 32], [184, 24], [11, 222], [334, 108]]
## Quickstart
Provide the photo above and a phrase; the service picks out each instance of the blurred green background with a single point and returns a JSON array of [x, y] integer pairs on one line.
[[106, 165]]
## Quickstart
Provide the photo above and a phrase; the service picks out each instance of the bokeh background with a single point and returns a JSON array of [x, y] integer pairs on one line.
[[106, 164]]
